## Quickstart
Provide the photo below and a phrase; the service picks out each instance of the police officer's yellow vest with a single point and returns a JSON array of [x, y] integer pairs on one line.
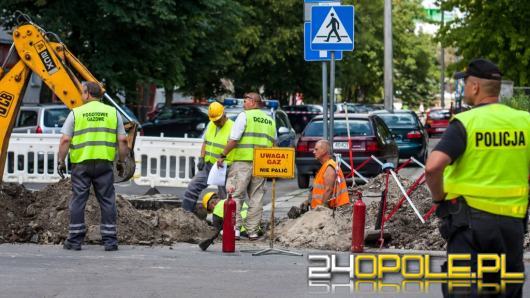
[[215, 143], [95, 132], [219, 210], [260, 131], [492, 174]]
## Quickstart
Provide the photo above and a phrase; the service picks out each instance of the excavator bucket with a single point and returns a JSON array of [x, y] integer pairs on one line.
[[128, 169]]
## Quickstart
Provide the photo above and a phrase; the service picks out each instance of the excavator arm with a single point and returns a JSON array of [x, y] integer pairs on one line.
[[60, 70]]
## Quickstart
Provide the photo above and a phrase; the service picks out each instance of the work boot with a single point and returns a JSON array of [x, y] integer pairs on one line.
[[69, 246], [253, 236], [111, 247]]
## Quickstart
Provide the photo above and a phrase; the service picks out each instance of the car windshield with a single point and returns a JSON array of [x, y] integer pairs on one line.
[[358, 127], [398, 120], [440, 115], [55, 117]]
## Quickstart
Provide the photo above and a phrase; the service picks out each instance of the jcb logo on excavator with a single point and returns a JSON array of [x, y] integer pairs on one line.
[[46, 58], [5, 103]]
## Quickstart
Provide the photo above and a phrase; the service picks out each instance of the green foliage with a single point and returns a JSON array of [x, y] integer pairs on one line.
[[414, 68], [518, 101], [258, 45], [497, 30]]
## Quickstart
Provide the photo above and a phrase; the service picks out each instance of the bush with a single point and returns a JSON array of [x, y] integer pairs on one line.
[[518, 101]]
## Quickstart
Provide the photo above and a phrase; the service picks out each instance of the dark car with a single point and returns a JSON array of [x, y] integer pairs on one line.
[[369, 136], [300, 115], [178, 121], [410, 135], [437, 121]]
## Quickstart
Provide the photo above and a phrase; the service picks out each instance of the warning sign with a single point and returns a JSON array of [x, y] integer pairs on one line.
[[274, 162]]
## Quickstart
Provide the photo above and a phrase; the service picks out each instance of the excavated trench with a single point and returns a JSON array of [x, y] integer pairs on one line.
[[43, 216], [323, 229]]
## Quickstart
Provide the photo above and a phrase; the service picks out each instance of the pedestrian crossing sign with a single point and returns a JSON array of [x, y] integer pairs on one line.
[[332, 28]]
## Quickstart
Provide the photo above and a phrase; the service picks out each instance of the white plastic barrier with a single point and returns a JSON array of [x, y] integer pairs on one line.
[[165, 161], [32, 158]]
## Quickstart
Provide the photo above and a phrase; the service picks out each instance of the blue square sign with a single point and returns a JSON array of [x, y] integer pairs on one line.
[[310, 55], [332, 28]]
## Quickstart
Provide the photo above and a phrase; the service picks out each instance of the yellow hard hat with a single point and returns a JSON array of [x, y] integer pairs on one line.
[[207, 197], [215, 111]]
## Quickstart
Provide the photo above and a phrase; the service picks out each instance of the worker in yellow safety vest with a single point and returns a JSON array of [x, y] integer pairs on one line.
[[213, 204], [93, 133], [215, 139], [478, 174], [253, 128], [329, 186]]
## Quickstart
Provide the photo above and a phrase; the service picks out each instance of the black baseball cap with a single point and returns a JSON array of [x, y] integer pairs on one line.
[[480, 68]]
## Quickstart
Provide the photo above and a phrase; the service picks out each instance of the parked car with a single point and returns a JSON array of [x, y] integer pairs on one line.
[[286, 135], [369, 136], [410, 135], [151, 115], [46, 118], [300, 115], [178, 121], [437, 121]]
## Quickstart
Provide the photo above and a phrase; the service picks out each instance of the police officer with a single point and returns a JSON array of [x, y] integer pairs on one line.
[[478, 172], [252, 128], [215, 139], [92, 132]]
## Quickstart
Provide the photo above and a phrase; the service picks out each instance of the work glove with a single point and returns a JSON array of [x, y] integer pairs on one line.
[[61, 168], [200, 165], [120, 168], [304, 207]]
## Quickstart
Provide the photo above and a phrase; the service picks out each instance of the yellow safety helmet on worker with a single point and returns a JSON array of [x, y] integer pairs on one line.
[[206, 199], [215, 111]]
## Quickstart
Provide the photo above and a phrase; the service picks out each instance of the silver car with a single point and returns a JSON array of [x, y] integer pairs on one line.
[[48, 118]]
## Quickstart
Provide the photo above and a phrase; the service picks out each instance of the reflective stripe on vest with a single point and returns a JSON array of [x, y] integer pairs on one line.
[[492, 173], [339, 196], [95, 132], [260, 131], [219, 211], [215, 142]]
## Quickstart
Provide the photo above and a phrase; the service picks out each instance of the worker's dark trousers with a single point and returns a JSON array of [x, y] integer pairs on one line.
[[100, 175], [472, 231], [197, 184]]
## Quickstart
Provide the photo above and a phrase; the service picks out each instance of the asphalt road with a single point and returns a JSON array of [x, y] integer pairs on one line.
[[183, 271]]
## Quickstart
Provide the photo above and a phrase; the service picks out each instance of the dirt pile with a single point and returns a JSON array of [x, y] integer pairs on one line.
[[43, 217], [323, 229]]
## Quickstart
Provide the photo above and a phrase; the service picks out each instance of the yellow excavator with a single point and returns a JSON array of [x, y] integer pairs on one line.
[[45, 55]]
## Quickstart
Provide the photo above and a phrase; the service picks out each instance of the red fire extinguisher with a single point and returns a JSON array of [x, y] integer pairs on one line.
[[229, 222], [358, 222]]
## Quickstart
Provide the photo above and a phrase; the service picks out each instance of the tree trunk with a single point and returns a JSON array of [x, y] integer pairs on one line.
[[168, 90]]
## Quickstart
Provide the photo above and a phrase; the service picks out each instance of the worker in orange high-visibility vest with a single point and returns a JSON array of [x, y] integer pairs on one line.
[[329, 186]]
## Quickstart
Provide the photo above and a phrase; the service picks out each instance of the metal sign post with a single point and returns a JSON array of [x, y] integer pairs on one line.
[[332, 98], [332, 30]]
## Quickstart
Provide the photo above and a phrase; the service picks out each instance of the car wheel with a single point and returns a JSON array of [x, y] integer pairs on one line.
[[303, 181]]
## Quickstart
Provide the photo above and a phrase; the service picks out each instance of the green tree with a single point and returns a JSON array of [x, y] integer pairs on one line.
[[130, 42], [414, 66], [270, 53], [496, 30]]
